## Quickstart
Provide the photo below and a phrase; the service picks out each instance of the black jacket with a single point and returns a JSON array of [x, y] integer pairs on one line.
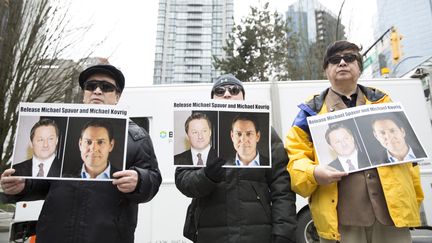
[[249, 205], [78, 211]]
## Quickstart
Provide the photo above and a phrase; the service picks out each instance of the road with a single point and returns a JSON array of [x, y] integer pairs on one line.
[[419, 236]]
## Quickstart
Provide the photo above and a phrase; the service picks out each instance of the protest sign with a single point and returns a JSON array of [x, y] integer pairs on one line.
[[70, 141], [236, 131], [365, 137]]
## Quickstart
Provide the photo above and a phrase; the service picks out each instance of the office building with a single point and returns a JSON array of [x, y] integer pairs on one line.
[[413, 20]]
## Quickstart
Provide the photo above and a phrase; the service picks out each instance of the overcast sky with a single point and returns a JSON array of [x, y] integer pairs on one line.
[[129, 27]]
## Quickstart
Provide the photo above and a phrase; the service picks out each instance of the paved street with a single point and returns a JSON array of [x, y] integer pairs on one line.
[[4, 237], [421, 236]]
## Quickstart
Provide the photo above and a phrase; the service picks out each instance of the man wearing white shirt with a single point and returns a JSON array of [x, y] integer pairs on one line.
[[44, 140], [391, 134], [198, 131], [341, 141], [245, 135], [95, 144]]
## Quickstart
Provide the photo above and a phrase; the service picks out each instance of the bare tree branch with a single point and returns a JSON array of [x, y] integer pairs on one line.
[[34, 35]]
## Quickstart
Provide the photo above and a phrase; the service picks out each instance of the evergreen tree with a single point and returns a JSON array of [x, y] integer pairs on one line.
[[259, 48]]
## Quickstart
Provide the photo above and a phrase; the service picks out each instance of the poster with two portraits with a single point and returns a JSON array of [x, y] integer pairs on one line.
[[236, 131], [365, 137], [70, 141]]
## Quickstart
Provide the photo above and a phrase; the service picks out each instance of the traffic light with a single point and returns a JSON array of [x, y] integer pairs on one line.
[[395, 40]]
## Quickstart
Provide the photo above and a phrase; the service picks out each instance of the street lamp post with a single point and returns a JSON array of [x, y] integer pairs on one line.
[[397, 65], [338, 20]]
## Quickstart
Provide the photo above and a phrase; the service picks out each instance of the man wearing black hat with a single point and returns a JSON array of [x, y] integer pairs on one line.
[[239, 205], [107, 78], [76, 211]]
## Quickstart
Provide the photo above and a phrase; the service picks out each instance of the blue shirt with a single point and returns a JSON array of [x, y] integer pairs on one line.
[[254, 162], [104, 175], [408, 157]]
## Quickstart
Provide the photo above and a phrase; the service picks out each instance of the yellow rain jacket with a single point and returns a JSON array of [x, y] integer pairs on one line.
[[401, 183]]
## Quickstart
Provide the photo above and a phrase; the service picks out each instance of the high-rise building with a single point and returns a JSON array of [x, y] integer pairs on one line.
[[316, 27], [189, 34], [412, 19], [314, 22], [328, 28]]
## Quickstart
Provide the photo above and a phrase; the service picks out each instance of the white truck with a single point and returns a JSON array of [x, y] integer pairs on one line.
[[161, 220]]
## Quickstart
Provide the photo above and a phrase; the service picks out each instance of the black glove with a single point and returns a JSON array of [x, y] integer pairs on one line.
[[214, 170], [281, 239]]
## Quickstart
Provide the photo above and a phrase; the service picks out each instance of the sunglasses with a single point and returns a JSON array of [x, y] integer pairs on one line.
[[233, 90], [104, 86], [348, 58]]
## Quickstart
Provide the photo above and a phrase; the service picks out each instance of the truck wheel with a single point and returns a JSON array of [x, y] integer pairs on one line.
[[306, 232]]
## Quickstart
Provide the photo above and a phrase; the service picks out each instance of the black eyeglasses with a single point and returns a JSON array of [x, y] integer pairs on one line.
[[103, 85], [233, 90], [348, 58]]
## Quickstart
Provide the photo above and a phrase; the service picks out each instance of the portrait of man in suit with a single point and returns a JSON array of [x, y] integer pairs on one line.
[[341, 140], [391, 134], [245, 135], [198, 133], [44, 139], [95, 144]]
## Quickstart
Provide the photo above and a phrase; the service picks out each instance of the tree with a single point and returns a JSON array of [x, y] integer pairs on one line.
[[309, 58], [258, 48], [32, 40]]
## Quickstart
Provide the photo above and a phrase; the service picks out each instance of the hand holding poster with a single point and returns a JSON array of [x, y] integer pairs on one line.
[[364, 137], [237, 132], [73, 141]]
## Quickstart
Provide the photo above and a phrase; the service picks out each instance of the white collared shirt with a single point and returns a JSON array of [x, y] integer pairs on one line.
[[46, 165], [204, 155], [254, 162], [352, 158], [409, 156]]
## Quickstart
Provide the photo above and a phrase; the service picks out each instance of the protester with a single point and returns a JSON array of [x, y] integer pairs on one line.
[[375, 205], [94, 211], [241, 205]]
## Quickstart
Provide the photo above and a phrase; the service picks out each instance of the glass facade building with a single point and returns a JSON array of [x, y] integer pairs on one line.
[[189, 34], [413, 20], [314, 23], [316, 27]]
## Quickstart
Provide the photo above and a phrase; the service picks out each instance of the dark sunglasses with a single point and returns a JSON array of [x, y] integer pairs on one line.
[[104, 86], [233, 90], [348, 58]]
